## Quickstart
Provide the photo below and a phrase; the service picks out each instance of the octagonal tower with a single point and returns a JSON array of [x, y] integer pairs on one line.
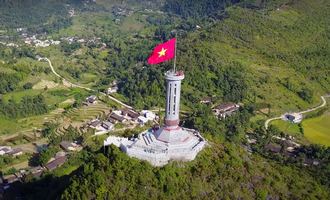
[[173, 92]]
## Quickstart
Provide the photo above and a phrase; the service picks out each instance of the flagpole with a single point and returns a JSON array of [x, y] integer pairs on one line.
[[175, 53]]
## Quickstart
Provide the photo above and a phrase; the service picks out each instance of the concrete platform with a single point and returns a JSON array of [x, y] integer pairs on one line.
[[161, 146]]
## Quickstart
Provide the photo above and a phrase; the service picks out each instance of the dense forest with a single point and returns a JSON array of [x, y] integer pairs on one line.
[[36, 15], [214, 175], [196, 8], [8, 82], [28, 106], [265, 58]]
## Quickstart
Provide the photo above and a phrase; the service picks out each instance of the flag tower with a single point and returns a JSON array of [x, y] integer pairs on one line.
[[169, 142]]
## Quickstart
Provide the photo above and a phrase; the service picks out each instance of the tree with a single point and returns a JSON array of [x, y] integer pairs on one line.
[[306, 94], [27, 86]]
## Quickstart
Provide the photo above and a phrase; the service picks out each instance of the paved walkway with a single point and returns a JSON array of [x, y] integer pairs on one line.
[[324, 103]]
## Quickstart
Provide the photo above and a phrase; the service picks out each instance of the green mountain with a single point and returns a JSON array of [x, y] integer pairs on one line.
[[273, 55], [265, 55], [280, 56]]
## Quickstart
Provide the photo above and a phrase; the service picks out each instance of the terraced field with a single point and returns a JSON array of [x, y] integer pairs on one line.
[[87, 113], [38, 121], [78, 117], [74, 117]]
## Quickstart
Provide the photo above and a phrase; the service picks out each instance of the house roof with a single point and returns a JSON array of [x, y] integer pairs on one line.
[[117, 117], [56, 163], [15, 151], [5, 149], [206, 99], [10, 178], [273, 147], [225, 106], [95, 122], [109, 124], [143, 119], [66, 145], [91, 98], [130, 113]]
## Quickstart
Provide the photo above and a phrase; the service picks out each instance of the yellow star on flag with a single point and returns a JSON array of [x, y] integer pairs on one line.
[[162, 52]]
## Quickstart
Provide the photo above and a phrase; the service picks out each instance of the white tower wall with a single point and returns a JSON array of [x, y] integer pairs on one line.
[[173, 91]]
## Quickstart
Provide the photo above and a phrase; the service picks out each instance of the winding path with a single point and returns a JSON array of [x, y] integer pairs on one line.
[[68, 83], [324, 103]]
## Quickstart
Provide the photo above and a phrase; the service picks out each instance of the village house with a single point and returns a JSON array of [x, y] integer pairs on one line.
[[113, 87], [130, 114], [206, 100], [224, 110], [294, 117], [60, 154], [37, 171], [101, 127], [91, 99], [94, 123], [148, 114], [56, 163], [69, 146], [142, 120], [112, 90], [275, 148], [114, 118], [10, 178], [15, 152], [20, 174], [107, 125], [4, 150]]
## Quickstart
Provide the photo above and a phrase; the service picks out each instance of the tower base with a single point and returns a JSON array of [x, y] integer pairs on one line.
[[158, 147]]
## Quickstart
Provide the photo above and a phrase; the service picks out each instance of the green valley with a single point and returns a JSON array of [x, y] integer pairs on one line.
[[74, 75]]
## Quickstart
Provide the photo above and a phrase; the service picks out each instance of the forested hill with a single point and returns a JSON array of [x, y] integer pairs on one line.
[[34, 13], [279, 57], [275, 56], [213, 8], [197, 8]]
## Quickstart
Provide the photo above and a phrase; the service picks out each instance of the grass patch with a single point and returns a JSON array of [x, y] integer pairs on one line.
[[18, 95], [65, 170], [317, 130], [8, 126], [287, 127], [131, 24]]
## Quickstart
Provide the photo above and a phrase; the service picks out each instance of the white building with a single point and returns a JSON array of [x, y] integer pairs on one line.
[[4, 150], [112, 90], [142, 120], [108, 125], [15, 152], [293, 117], [224, 110], [91, 99], [149, 115]]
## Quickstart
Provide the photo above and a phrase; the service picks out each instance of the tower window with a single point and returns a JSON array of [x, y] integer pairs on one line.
[[169, 99]]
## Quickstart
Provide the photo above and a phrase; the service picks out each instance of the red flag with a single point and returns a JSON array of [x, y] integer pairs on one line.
[[163, 52]]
